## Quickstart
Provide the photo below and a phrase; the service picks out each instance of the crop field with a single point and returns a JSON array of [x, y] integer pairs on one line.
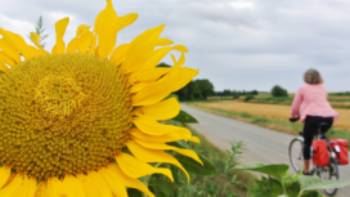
[[269, 111], [337, 101]]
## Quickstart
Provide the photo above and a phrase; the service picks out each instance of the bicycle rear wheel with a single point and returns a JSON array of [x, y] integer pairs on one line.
[[331, 172], [295, 153]]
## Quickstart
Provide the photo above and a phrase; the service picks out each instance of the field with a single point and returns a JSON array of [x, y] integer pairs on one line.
[[337, 101], [273, 116]]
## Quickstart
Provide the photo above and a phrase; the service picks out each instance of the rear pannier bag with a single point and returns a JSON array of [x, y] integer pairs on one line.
[[320, 156], [341, 147]]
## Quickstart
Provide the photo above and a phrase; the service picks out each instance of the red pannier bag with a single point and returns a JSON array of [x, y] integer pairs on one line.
[[341, 147], [320, 156]]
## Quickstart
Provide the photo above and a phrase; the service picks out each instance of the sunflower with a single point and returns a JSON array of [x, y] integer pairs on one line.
[[89, 117]]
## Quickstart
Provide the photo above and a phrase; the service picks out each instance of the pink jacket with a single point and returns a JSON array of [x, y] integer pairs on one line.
[[312, 100]]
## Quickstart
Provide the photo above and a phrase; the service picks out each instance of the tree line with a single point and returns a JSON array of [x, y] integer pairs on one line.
[[201, 89]]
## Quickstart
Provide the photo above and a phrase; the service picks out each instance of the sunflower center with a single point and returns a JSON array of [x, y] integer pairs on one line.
[[63, 114], [59, 95]]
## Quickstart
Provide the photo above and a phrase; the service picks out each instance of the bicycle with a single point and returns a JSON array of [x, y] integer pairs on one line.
[[295, 153]]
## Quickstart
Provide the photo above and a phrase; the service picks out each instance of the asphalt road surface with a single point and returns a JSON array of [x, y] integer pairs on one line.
[[260, 145]]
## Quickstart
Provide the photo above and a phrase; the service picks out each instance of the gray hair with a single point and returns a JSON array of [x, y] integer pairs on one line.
[[313, 77]]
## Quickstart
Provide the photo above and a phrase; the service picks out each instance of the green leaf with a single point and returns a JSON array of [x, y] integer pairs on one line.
[[266, 187], [134, 193], [311, 194], [315, 183], [273, 170], [162, 187], [292, 185], [185, 117], [196, 168]]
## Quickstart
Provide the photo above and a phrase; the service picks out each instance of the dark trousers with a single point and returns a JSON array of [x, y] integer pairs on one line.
[[312, 125]]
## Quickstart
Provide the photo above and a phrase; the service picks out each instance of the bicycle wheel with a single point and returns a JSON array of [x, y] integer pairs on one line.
[[331, 172], [295, 152]]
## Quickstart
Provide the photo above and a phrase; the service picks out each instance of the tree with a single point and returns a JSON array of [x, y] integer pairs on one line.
[[278, 91], [205, 87], [198, 89]]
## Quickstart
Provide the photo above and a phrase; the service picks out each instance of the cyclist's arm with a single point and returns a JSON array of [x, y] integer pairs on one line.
[[298, 99]]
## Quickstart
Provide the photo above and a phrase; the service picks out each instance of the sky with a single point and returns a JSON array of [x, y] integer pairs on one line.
[[237, 44]]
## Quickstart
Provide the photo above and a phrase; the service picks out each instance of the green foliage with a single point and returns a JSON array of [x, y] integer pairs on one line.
[[278, 91], [276, 171], [279, 183], [185, 118], [236, 93], [40, 30], [346, 93], [198, 89], [248, 97], [266, 187], [194, 167], [313, 183], [161, 186], [218, 177], [164, 65]]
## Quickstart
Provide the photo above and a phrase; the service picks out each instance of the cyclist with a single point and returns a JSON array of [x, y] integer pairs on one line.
[[311, 106]]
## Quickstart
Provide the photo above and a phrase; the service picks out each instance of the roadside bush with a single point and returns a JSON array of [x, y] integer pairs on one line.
[[226, 181], [249, 97], [278, 91], [235, 97]]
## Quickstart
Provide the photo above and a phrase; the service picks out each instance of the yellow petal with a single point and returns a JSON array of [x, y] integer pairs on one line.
[[152, 156], [27, 188], [164, 41], [181, 48], [186, 152], [3, 68], [84, 41], [107, 25], [9, 51], [130, 182], [69, 187], [152, 127], [148, 75], [118, 55], [60, 27], [19, 44], [156, 57], [169, 137], [135, 168], [181, 61], [4, 175], [114, 181], [164, 110], [95, 185], [177, 78], [160, 54], [35, 38], [139, 86], [10, 188], [142, 48], [6, 60]]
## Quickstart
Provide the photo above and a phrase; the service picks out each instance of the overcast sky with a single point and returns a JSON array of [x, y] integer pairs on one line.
[[237, 44]]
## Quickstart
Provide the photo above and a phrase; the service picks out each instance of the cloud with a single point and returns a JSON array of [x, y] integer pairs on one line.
[[15, 25], [238, 44]]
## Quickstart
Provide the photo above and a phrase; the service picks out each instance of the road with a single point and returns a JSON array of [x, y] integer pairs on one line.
[[260, 145]]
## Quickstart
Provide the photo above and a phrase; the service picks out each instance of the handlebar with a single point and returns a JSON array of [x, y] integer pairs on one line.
[[294, 119]]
